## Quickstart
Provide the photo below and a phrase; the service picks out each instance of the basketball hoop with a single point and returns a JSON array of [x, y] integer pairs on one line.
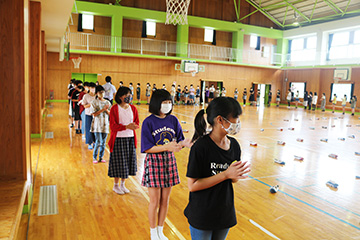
[[176, 12], [337, 79], [76, 61], [193, 73]]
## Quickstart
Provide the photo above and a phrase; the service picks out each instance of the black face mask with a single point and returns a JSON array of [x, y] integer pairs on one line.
[[127, 99]]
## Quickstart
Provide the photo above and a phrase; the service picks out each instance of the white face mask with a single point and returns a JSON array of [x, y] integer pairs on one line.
[[102, 95], [166, 108], [233, 129]]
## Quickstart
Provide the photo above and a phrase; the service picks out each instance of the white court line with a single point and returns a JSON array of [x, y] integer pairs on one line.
[[263, 229], [146, 196]]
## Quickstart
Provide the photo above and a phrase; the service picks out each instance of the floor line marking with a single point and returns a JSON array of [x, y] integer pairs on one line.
[[146, 196], [319, 198], [312, 206], [263, 229]]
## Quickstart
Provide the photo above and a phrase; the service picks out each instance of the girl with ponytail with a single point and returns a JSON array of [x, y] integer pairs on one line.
[[214, 164]]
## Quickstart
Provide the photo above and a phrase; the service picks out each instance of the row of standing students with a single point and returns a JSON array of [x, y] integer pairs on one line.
[[211, 169]]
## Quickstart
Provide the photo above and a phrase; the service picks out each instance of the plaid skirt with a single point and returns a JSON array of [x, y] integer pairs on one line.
[[160, 170], [123, 158]]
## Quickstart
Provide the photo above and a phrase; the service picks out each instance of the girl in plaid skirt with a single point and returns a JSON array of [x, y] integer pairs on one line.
[[161, 136], [124, 120]]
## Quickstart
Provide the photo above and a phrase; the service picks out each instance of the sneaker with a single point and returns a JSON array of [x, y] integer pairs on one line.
[[124, 189], [103, 161], [72, 125], [95, 161], [90, 147], [118, 190], [161, 235]]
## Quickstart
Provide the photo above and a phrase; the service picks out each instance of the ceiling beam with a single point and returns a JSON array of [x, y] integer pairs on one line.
[[313, 10], [333, 6], [236, 11], [249, 14], [346, 7], [265, 13], [285, 15], [296, 10]]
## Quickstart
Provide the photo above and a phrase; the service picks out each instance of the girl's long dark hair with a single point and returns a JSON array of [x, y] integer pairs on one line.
[[223, 106]]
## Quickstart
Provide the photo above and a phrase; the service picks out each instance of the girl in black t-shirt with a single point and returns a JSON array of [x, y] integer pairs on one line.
[[214, 164]]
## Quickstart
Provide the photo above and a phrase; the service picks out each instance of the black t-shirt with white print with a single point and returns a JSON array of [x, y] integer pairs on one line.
[[212, 208]]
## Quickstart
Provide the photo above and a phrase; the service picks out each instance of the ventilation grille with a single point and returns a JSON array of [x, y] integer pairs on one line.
[[48, 204], [49, 134]]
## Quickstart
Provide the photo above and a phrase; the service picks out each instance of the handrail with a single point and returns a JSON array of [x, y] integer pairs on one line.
[[145, 46]]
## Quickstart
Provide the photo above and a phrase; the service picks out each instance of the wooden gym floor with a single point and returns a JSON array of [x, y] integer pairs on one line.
[[304, 208]]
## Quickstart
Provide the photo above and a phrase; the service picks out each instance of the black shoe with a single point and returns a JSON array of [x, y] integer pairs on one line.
[[72, 125], [343, 113], [352, 114]]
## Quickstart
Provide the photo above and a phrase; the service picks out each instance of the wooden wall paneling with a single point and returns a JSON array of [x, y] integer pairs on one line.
[[43, 69], [132, 28], [158, 71], [14, 93], [35, 67]]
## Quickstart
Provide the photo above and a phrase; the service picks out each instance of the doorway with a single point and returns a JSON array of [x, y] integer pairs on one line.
[[207, 83], [261, 92]]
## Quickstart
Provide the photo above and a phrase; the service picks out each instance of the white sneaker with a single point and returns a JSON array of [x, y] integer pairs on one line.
[[118, 190], [124, 189]]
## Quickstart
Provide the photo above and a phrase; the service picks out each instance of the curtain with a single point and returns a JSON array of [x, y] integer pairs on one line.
[[258, 43], [80, 29], [143, 33], [331, 92], [289, 51], [329, 46], [214, 38]]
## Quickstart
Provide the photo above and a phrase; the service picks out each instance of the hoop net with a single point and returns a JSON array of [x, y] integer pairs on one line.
[[176, 12], [337, 79], [76, 61], [193, 73]]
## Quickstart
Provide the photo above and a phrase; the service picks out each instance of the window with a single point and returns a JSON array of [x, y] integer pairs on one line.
[[253, 41], [88, 22], [303, 49], [341, 89], [150, 28], [344, 45], [208, 35], [298, 86]]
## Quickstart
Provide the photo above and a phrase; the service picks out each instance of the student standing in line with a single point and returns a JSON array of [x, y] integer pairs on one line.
[[323, 102], [207, 94], [71, 112], [223, 92], [110, 90], [278, 98], [164, 87], [244, 97], [82, 109], [252, 97], [132, 93], [258, 97], [297, 99], [161, 136], [138, 91], [178, 95], [197, 96], [100, 123], [288, 98], [314, 101], [121, 84], [148, 93], [211, 94], [86, 102], [186, 95], [124, 120], [269, 98], [192, 94], [334, 102], [310, 97], [75, 106], [217, 93], [353, 105], [236, 94], [214, 165], [343, 103], [173, 93], [154, 88], [305, 100]]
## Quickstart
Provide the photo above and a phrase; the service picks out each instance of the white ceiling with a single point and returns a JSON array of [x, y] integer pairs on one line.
[[55, 16]]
